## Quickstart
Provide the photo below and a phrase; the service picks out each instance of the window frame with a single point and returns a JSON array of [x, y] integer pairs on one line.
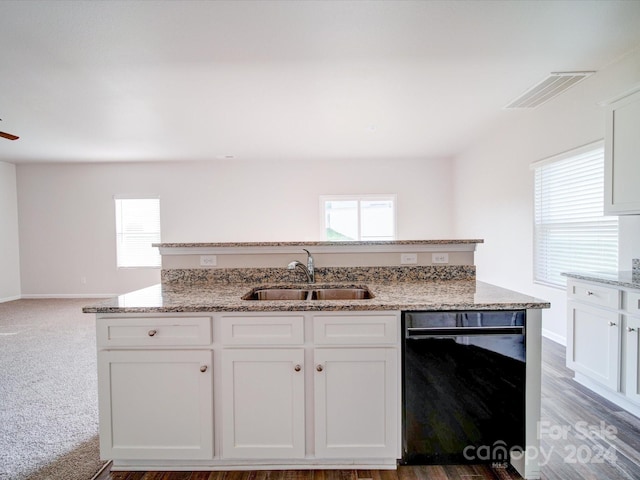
[[563, 219], [118, 226], [358, 198]]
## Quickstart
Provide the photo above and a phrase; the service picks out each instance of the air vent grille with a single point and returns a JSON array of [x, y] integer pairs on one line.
[[552, 86]]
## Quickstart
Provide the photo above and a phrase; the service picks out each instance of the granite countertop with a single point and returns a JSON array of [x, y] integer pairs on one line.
[[625, 279], [317, 243], [226, 297]]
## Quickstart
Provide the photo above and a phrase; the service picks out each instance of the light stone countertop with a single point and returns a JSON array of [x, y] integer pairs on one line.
[[425, 295], [316, 243], [624, 279]]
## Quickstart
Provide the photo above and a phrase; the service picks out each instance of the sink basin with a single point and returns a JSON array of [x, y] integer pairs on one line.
[[317, 293], [342, 294], [277, 294]]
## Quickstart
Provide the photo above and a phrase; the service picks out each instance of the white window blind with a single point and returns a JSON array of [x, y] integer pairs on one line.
[[358, 217], [571, 232], [137, 227]]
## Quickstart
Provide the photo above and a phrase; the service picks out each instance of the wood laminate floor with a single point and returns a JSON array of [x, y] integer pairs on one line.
[[584, 437]]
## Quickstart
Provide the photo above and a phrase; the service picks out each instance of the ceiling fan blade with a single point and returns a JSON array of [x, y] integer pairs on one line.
[[8, 136]]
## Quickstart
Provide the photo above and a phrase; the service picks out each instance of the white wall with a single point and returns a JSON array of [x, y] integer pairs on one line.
[[67, 219], [9, 244], [493, 196]]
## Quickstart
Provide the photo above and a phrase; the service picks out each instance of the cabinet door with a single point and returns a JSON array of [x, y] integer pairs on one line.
[[155, 404], [356, 403], [622, 160], [263, 403], [593, 343], [632, 339]]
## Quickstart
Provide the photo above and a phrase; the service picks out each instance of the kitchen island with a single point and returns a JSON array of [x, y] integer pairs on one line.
[[194, 377]]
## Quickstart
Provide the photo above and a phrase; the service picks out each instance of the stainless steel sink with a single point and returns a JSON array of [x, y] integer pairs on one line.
[[278, 294], [349, 293], [312, 293]]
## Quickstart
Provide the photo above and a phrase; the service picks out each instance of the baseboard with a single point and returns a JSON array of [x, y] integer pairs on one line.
[[10, 299], [554, 336], [68, 295], [615, 397]]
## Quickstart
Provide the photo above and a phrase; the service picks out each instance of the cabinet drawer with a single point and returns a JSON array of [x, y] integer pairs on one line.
[[632, 302], [355, 329], [262, 330], [153, 331], [594, 294]]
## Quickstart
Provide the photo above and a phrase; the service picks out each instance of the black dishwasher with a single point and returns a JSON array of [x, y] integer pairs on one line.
[[463, 386]]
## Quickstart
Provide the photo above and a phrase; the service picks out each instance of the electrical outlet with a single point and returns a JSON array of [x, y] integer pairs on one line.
[[439, 258], [208, 260], [408, 258]]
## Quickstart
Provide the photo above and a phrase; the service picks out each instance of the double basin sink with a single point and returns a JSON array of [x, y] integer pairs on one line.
[[309, 293]]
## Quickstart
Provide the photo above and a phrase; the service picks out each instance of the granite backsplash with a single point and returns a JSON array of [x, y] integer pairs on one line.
[[186, 276]]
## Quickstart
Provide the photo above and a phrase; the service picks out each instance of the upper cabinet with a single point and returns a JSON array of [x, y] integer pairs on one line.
[[622, 156]]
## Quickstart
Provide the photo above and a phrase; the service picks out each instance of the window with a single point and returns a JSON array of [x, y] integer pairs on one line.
[[137, 227], [571, 232], [358, 217]]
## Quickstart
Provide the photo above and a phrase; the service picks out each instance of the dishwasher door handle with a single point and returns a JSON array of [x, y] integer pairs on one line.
[[462, 331]]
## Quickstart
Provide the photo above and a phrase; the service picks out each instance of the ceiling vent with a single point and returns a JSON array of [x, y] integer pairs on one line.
[[552, 86]]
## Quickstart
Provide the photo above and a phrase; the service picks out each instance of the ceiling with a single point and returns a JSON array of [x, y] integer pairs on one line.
[[86, 81]]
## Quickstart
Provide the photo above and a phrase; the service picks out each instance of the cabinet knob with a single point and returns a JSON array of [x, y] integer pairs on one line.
[[631, 329], [319, 368], [612, 324], [297, 368], [203, 368], [151, 333], [589, 292]]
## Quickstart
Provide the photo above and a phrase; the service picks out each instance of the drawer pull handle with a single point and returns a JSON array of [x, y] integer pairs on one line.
[[612, 324], [589, 293], [297, 368], [631, 329], [319, 368], [152, 332], [203, 368]]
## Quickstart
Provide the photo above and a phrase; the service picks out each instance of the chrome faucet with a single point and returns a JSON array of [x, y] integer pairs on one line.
[[309, 270]]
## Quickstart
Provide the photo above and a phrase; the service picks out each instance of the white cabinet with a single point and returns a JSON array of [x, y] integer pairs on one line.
[[356, 385], [593, 343], [632, 346], [263, 403], [622, 157], [240, 389], [155, 404], [356, 402], [593, 348], [263, 389], [603, 345], [155, 395], [351, 373]]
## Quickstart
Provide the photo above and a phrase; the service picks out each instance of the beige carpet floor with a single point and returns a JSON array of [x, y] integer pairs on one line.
[[48, 390]]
